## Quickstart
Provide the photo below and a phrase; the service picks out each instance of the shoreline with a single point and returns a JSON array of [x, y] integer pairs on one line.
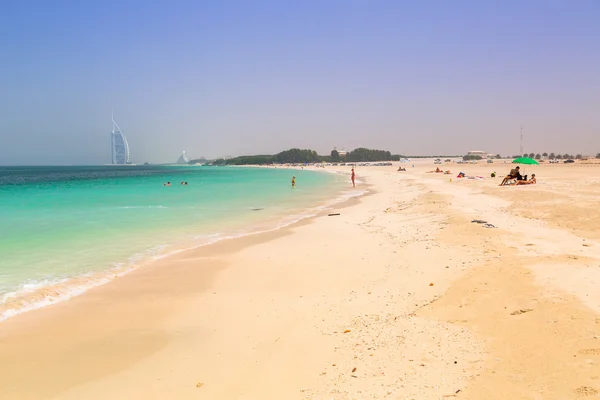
[[400, 296], [65, 289]]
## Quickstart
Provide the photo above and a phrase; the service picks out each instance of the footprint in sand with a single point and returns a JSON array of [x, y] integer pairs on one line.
[[590, 352], [585, 391]]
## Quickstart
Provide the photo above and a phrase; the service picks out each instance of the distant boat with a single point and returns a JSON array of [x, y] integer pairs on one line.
[[120, 146]]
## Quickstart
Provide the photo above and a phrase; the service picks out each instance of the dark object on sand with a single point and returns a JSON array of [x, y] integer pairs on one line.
[[521, 311], [333, 215], [483, 223], [257, 209]]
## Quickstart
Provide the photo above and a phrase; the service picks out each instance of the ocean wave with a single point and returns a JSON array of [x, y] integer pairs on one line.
[[144, 207]]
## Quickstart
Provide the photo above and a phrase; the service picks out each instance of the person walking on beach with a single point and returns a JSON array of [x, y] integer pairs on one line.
[[352, 177]]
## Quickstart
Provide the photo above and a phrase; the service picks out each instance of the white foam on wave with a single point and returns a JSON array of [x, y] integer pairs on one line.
[[133, 207], [38, 294]]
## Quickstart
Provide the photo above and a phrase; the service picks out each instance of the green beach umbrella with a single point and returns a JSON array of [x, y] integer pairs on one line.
[[525, 160]]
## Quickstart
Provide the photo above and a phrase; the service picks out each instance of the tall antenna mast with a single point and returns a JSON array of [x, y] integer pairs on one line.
[[521, 140]]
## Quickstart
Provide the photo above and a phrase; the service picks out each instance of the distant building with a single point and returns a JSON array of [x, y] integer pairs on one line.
[[120, 147], [183, 158], [482, 154], [342, 152]]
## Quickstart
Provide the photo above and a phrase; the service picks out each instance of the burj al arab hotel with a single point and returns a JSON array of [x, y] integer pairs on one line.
[[120, 147]]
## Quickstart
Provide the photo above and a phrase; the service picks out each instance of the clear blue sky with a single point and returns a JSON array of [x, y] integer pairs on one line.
[[241, 77]]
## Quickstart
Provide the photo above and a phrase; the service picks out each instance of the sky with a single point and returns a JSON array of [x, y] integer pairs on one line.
[[226, 78]]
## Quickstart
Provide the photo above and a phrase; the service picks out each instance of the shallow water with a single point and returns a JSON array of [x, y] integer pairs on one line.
[[64, 229]]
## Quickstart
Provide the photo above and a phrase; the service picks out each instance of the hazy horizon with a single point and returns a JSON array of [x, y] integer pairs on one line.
[[235, 78]]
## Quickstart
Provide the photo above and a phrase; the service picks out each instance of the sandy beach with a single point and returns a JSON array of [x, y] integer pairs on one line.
[[400, 296]]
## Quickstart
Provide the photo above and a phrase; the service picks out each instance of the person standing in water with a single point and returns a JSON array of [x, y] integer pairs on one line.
[[293, 181], [353, 177]]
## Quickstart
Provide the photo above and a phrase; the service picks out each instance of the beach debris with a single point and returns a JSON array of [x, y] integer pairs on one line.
[[590, 352], [347, 330], [521, 311], [354, 369], [431, 284], [257, 209], [585, 391], [485, 224], [333, 214], [451, 395], [199, 384]]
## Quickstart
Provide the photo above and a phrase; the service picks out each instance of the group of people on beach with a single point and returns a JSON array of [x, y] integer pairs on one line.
[[439, 171], [514, 178]]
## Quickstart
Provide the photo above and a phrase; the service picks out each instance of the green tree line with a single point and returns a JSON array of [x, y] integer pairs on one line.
[[302, 156]]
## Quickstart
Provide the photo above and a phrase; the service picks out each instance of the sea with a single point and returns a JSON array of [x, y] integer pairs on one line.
[[64, 230]]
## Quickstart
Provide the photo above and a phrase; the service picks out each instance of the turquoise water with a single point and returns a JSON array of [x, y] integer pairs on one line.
[[64, 228]]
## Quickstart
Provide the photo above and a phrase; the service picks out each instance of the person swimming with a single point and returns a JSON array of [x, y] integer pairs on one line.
[[293, 181]]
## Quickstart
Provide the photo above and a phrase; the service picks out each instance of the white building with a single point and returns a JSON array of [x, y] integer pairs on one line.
[[342, 152], [482, 154], [119, 145], [183, 158]]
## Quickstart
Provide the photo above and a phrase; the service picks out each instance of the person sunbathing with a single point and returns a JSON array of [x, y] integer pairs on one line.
[[437, 171], [528, 182], [514, 174]]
